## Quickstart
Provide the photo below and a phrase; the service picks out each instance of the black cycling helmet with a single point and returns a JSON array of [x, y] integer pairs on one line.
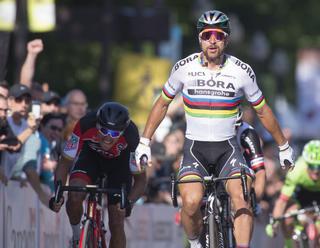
[[213, 19], [114, 116]]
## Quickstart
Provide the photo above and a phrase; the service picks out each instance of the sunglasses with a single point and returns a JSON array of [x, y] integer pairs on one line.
[[27, 100], [53, 102], [314, 167], [217, 34], [55, 128], [113, 133]]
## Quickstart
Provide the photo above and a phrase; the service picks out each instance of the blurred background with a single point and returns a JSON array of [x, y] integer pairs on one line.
[[124, 50]]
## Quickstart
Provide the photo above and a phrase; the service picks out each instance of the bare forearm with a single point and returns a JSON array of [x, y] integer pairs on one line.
[[138, 188], [260, 183], [279, 208], [27, 70], [271, 124], [62, 170], [157, 114]]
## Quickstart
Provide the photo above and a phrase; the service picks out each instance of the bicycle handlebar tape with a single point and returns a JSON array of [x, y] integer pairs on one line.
[[174, 191], [244, 184]]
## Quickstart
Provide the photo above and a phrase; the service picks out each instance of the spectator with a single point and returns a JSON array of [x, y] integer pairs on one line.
[[50, 103], [24, 126], [4, 88], [51, 127], [76, 107]]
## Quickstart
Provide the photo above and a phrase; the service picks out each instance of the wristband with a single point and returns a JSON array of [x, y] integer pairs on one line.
[[285, 146], [145, 141]]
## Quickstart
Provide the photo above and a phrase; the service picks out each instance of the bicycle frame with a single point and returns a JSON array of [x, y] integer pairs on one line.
[[217, 210], [93, 216], [299, 235]]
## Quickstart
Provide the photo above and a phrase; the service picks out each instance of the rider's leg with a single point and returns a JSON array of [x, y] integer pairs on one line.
[[243, 219], [191, 217], [116, 226], [74, 207], [287, 227]]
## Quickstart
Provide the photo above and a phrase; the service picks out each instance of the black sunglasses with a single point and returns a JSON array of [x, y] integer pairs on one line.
[[55, 128]]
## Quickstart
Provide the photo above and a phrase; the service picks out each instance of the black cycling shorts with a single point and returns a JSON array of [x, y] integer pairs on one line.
[[305, 198], [203, 158], [89, 166]]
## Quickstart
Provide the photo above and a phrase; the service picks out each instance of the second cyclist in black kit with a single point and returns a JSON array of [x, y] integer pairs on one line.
[[102, 143]]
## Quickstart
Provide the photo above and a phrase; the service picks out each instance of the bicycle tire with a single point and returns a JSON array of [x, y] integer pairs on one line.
[[213, 230], [87, 236]]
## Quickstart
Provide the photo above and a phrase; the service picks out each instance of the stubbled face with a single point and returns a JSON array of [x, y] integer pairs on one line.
[[213, 47], [20, 105]]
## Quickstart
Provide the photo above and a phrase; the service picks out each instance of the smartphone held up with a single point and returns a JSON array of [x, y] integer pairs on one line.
[[36, 109]]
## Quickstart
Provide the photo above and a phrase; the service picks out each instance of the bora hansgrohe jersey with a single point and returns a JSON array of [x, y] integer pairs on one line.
[[211, 98]]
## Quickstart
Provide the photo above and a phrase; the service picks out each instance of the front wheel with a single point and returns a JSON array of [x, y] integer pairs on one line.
[[87, 239]]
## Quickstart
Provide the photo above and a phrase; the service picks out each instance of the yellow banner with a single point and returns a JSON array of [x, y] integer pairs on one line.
[[139, 81], [41, 15], [8, 11]]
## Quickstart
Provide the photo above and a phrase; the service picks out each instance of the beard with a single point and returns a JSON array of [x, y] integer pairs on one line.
[[3, 122], [3, 126]]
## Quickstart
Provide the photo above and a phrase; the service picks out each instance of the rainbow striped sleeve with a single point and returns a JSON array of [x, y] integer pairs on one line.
[[166, 94], [258, 104]]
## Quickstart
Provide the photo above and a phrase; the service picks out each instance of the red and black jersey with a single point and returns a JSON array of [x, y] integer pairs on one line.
[[85, 135]]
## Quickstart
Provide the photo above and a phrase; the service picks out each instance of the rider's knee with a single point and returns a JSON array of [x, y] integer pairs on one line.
[[191, 204], [75, 199]]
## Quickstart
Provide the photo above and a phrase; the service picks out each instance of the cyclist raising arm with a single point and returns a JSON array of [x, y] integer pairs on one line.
[[213, 85], [301, 187], [102, 143]]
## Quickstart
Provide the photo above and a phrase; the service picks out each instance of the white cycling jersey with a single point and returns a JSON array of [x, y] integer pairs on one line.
[[211, 97]]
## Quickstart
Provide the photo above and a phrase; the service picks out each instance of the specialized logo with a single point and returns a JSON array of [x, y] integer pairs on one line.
[[185, 61], [195, 164], [247, 69], [233, 161]]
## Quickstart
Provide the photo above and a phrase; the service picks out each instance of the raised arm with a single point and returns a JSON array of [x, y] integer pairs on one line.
[[34, 47]]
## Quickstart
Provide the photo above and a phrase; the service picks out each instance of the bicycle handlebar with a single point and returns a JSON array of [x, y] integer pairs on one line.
[[312, 209], [91, 189]]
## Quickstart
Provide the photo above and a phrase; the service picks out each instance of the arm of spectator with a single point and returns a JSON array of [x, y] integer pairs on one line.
[[34, 47], [32, 127]]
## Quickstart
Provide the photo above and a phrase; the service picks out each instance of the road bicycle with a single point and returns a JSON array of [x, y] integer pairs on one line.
[[93, 229], [304, 219], [217, 217]]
